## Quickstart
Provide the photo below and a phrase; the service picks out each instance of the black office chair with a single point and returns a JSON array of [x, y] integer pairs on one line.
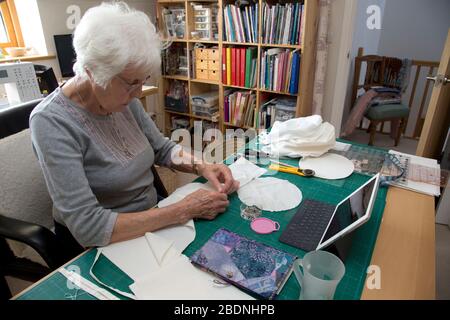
[[38, 237]]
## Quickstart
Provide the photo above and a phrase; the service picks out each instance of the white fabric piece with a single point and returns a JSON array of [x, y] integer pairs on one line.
[[341, 146], [180, 193], [270, 194], [91, 272], [180, 280], [245, 171], [299, 137], [181, 235], [242, 170], [141, 256], [329, 166], [87, 285]]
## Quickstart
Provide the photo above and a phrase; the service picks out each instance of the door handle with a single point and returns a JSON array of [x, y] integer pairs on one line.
[[439, 79]]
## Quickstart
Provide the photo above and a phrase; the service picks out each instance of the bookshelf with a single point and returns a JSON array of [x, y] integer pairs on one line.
[[198, 84]]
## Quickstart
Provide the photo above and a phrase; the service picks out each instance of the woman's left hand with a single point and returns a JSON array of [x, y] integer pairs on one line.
[[219, 175]]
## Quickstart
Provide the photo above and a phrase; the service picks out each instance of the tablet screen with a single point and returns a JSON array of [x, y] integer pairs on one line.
[[352, 210]]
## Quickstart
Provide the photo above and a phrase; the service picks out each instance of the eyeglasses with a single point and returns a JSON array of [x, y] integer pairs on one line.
[[130, 87]]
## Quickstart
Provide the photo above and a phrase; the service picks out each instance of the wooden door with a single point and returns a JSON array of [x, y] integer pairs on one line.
[[437, 119]]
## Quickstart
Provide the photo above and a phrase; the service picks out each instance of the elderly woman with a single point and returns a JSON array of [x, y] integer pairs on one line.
[[96, 144]]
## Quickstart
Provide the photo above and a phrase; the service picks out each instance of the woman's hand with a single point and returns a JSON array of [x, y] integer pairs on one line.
[[219, 175], [203, 204]]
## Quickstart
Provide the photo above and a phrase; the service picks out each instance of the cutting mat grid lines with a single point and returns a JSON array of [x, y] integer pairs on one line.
[[356, 263]]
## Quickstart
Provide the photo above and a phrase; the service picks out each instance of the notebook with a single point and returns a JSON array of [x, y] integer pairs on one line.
[[254, 267], [417, 169]]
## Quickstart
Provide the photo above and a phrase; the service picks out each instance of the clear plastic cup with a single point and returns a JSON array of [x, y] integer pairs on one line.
[[320, 276]]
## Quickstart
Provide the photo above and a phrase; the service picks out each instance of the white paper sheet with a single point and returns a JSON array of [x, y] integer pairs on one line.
[[181, 280], [160, 271], [271, 194], [421, 187]]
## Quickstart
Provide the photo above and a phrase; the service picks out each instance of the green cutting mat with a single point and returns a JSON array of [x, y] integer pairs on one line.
[[350, 287]]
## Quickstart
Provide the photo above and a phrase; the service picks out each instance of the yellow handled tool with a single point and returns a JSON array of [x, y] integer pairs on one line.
[[293, 170]]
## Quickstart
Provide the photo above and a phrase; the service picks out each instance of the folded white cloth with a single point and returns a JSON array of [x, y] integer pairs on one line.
[[299, 137]]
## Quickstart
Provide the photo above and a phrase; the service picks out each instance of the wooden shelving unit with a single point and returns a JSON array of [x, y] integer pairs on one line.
[[196, 86]]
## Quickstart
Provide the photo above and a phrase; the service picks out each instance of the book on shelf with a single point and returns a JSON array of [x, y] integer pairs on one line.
[[276, 109], [282, 23], [420, 174], [280, 70], [239, 107], [256, 268], [241, 22], [239, 65]]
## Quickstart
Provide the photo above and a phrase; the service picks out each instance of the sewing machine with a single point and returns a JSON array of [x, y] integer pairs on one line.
[[19, 82]]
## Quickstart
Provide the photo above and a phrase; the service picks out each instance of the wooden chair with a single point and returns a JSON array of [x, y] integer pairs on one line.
[[380, 71]]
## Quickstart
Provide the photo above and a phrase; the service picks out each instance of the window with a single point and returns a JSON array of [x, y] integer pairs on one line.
[[10, 34]]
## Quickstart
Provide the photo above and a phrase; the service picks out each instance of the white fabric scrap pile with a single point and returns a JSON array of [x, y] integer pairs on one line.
[[299, 137]]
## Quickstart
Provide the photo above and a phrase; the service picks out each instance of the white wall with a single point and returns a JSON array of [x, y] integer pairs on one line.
[[41, 19], [54, 16], [31, 26], [415, 29], [338, 65], [364, 37]]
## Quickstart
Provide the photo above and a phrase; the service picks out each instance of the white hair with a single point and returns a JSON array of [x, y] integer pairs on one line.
[[111, 37]]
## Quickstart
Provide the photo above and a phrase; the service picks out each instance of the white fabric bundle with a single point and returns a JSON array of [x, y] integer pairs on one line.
[[299, 137]]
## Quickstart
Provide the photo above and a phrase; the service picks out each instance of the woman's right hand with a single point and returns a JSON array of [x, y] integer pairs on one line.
[[203, 204]]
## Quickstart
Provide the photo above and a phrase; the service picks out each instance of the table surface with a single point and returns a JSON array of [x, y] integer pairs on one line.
[[148, 90], [404, 247]]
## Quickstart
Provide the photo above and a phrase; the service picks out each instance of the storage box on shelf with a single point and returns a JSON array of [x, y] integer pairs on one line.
[[204, 21], [205, 62], [176, 97], [180, 123], [205, 104], [172, 22]]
